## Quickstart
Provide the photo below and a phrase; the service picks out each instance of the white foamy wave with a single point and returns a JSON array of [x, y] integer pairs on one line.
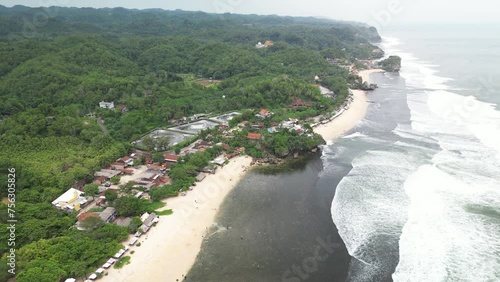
[[443, 239], [452, 230], [354, 135], [441, 181]]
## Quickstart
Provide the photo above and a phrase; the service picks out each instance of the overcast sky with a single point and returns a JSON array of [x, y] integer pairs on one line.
[[379, 13]]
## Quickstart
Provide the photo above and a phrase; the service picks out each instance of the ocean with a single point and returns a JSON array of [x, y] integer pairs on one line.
[[422, 200], [411, 194]]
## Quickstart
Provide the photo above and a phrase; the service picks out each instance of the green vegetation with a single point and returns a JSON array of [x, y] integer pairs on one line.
[[391, 64], [122, 262], [149, 63], [165, 212]]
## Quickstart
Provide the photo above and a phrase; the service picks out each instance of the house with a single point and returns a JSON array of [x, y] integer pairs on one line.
[[150, 220], [108, 215], [149, 176], [107, 173], [272, 130], [220, 160], [264, 114], [99, 180], [128, 161], [201, 176], [225, 147], [209, 169], [155, 168], [118, 165], [70, 200], [161, 181], [107, 105], [266, 44], [171, 158], [126, 171], [298, 103], [259, 125], [253, 136]]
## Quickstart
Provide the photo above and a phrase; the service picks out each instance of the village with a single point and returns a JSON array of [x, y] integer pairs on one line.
[[137, 174], [141, 172]]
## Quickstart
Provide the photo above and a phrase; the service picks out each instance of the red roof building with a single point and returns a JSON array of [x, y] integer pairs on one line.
[[171, 158], [253, 136]]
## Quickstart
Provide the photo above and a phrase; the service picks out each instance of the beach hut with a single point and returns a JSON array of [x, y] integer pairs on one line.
[[70, 280], [133, 241], [201, 176], [93, 276], [99, 270]]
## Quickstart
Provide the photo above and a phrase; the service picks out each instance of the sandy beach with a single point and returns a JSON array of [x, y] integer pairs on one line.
[[350, 117], [168, 250]]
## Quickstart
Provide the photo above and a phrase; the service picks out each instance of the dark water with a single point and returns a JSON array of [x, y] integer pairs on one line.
[[280, 229]]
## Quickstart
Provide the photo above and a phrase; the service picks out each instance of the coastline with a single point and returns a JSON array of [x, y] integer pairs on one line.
[[350, 117], [169, 249]]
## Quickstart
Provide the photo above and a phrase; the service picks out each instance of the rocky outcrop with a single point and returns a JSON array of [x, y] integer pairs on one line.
[[391, 64]]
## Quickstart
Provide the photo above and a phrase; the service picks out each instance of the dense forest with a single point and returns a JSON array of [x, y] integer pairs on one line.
[[57, 64]]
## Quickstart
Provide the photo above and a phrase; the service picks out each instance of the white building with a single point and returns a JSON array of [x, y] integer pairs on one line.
[[107, 105], [70, 200]]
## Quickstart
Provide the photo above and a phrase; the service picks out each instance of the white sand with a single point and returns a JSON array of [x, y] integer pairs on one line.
[[169, 249], [350, 118]]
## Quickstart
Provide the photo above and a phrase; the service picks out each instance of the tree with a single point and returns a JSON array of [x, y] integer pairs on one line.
[[110, 196], [162, 142], [41, 270], [134, 224], [115, 179], [128, 206], [149, 142], [91, 189], [91, 223], [158, 158]]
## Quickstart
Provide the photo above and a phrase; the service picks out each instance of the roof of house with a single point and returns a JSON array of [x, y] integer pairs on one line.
[[126, 158], [107, 213], [201, 176], [170, 157], [149, 220], [69, 195], [123, 221], [225, 147], [155, 167], [264, 112], [254, 136]]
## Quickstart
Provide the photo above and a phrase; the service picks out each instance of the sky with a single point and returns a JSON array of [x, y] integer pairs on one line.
[[378, 13]]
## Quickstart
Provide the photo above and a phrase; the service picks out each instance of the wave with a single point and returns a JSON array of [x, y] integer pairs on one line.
[[426, 207]]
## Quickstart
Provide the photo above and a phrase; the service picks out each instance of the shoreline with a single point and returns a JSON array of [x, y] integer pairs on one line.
[[169, 249], [350, 117]]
